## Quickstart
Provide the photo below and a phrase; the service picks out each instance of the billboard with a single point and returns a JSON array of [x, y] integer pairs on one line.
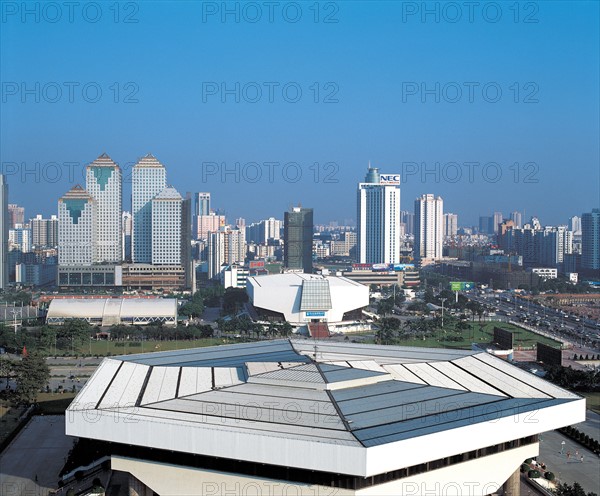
[[389, 179], [381, 267], [256, 264], [548, 355], [461, 285], [315, 314], [503, 338], [403, 267], [362, 266]]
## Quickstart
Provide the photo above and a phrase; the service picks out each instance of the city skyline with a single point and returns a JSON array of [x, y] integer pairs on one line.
[[535, 123]]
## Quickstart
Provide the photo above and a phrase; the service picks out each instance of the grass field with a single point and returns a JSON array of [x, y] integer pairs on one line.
[[477, 334], [9, 417], [54, 403]]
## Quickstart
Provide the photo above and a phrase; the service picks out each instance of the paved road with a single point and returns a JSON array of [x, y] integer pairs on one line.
[[39, 450], [587, 473], [591, 426]]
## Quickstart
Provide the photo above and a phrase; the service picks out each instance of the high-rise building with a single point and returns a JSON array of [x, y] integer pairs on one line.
[[298, 239], [225, 247], [450, 224], [428, 228], [264, 230], [166, 227], [408, 219], [103, 183], [44, 232], [16, 215], [590, 240], [206, 224], [19, 238], [202, 204], [149, 178], [497, 220], [127, 229], [553, 243], [378, 213], [517, 219], [486, 224], [76, 227], [4, 223], [575, 225]]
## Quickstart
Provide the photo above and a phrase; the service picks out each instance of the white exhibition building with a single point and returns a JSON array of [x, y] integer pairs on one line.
[[300, 298], [311, 417]]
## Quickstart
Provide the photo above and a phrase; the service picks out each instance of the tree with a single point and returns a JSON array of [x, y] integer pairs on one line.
[[32, 374], [574, 490]]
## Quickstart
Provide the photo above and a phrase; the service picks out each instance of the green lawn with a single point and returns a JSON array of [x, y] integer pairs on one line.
[[477, 334], [9, 416]]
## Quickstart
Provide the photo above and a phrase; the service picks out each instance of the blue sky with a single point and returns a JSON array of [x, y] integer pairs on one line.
[[166, 72]]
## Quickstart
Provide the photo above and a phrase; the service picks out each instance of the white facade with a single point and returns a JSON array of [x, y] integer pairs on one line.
[[413, 419], [545, 272], [103, 183], [226, 246], [149, 178], [429, 227], [76, 228], [19, 238], [284, 293], [378, 226], [166, 227], [44, 231]]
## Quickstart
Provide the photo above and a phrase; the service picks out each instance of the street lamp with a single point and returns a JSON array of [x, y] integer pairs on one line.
[[443, 300]]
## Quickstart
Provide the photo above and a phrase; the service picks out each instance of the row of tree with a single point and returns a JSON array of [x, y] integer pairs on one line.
[[31, 374], [245, 327]]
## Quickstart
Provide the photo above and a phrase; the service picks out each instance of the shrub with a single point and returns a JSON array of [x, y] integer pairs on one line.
[[528, 461], [533, 474], [524, 468], [550, 476]]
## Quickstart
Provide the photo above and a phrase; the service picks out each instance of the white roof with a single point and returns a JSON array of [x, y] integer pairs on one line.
[[334, 407], [98, 308]]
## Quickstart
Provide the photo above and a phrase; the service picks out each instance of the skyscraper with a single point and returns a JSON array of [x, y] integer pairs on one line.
[[166, 227], [298, 239], [76, 228], [127, 228], [450, 224], [497, 220], [428, 227], [590, 240], [378, 214], [16, 215], [4, 221], [517, 219], [44, 232], [226, 246], [149, 178], [486, 224], [103, 183], [202, 204], [575, 225]]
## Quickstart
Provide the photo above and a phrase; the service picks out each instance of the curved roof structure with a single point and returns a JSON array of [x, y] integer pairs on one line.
[[111, 311], [301, 297], [334, 407]]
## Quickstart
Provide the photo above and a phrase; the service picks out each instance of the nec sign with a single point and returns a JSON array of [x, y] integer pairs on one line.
[[391, 179]]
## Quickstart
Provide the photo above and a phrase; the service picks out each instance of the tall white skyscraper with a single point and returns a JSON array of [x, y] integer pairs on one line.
[[202, 203], [429, 227], [149, 178], [44, 231], [166, 227], [4, 221], [575, 225], [103, 183], [76, 228], [378, 214], [497, 221]]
